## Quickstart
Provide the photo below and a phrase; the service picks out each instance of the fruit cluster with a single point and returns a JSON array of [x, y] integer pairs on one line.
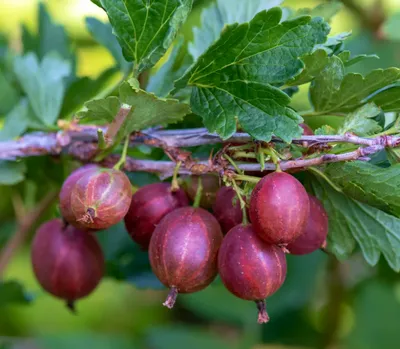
[[187, 245]]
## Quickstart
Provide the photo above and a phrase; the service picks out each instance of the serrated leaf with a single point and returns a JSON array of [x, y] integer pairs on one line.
[[84, 89], [373, 185], [231, 79], [334, 44], [144, 28], [43, 84], [147, 109], [16, 121], [388, 98], [313, 65], [12, 292], [348, 61], [360, 121], [101, 111], [326, 11], [218, 14], [11, 172], [102, 33], [352, 222], [391, 27], [335, 91]]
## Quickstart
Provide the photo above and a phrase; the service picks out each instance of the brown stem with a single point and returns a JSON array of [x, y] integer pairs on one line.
[[24, 227], [263, 317], [171, 298]]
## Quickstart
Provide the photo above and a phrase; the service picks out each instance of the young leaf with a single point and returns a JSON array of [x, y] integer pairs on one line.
[[9, 94], [313, 65], [348, 61], [145, 29], [147, 109], [352, 222], [43, 84], [102, 33], [220, 13], [335, 91], [373, 185], [231, 79], [11, 172], [360, 121], [101, 111]]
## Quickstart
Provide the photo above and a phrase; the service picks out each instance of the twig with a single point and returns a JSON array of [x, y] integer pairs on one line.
[[36, 144], [24, 227]]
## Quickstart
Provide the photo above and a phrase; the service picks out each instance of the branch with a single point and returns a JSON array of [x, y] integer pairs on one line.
[[36, 144], [24, 227]]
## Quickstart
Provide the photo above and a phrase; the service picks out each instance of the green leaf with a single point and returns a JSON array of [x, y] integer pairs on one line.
[[348, 61], [391, 27], [12, 292], [314, 63], [218, 14], [43, 84], [335, 91], [102, 32], [11, 172], [16, 121], [162, 82], [360, 121], [9, 94], [101, 111], [231, 79], [325, 130], [373, 185], [84, 89], [388, 98], [352, 222], [147, 109], [187, 337], [145, 29]]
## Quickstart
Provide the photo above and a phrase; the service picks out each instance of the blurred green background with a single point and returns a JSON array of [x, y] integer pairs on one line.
[[323, 304]]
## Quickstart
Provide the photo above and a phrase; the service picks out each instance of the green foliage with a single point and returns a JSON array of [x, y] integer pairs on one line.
[[12, 292], [17, 120], [352, 222], [101, 110], [11, 172], [373, 185], [220, 13], [230, 82], [143, 33], [43, 83], [361, 121]]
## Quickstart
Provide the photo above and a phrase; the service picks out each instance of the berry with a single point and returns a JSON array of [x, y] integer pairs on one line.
[[183, 251], [250, 268], [210, 185], [315, 232], [279, 208], [227, 209], [67, 262], [66, 189], [307, 130], [101, 199], [149, 205]]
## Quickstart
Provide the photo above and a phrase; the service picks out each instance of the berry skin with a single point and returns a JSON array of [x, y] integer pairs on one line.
[[227, 209], [315, 232], [183, 251], [149, 205], [67, 262], [66, 189], [307, 130], [250, 268], [101, 199], [279, 208], [210, 186]]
